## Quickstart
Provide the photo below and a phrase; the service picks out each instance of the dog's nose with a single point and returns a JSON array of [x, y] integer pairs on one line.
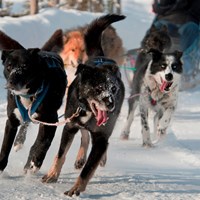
[[169, 76]]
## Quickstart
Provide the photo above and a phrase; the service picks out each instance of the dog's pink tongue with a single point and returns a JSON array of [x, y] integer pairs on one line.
[[101, 117], [163, 86]]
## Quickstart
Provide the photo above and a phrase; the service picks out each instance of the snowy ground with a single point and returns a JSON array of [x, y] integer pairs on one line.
[[169, 171]]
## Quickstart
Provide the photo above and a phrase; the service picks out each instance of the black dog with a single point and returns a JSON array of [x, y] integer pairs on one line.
[[36, 83], [94, 101]]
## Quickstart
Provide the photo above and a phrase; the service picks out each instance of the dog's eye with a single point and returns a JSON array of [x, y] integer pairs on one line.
[[9, 67], [114, 89], [164, 65], [174, 67], [98, 91], [73, 50]]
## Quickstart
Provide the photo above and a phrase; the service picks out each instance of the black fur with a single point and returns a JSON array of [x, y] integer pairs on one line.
[[99, 81], [30, 69]]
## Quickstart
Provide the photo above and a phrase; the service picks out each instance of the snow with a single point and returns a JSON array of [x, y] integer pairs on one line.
[[169, 171]]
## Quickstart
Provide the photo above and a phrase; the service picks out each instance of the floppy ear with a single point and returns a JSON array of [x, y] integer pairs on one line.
[[55, 42], [7, 42], [156, 54]]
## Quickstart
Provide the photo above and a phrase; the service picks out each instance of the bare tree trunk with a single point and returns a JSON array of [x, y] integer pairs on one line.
[[34, 7], [1, 6], [118, 7], [56, 2], [110, 6], [83, 5]]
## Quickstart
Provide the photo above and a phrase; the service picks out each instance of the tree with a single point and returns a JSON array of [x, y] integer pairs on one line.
[[34, 7], [1, 4]]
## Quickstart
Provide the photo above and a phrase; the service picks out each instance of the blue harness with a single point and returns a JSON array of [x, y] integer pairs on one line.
[[102, 61], [52, 61]]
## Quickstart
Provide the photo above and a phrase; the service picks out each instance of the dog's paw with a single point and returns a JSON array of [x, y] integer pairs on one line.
[[78, 187], [147, 145], [31, 168], [49, 178], [103, 161], [124, 136], [79, 163]]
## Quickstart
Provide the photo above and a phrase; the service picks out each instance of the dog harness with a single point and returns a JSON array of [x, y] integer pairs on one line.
[[52, 61], [98, 61]]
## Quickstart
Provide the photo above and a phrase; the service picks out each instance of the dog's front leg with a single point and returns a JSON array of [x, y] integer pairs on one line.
[[82, 153], [164, 120], [40, 147], [145, 127], [99, 147], [66, 141], [9, 135]]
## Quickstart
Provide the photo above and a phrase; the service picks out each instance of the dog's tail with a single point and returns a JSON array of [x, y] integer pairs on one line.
[[55, 42], [7, 43], [94, 32]]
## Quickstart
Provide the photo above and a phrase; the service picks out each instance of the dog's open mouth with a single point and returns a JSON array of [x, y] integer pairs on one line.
[[165, 86], [100, 115]]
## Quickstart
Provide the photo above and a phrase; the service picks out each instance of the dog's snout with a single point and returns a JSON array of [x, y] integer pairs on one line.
[[80, 60], [169, 76]]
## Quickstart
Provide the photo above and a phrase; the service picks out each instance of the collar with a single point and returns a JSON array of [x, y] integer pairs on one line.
[[153, 101], [98, 61]]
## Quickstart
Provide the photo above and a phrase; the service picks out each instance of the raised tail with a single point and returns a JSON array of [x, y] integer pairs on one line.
[[94, 32]]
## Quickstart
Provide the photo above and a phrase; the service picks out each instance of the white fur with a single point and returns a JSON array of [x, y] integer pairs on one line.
[[165, 101]]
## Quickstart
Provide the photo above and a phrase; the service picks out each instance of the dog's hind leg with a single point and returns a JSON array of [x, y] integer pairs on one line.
[[10, 132], [66, 141], [21, 136], [82, 153], [99, 146], [164, 120], [126, 130]]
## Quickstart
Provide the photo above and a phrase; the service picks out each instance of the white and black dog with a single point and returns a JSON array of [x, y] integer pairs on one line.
[[158, 84]]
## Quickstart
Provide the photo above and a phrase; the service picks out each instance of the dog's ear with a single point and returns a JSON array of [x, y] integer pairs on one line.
[[153, 28], [80, 69], [156, 54], [178, 54], [55, 42], [7, 43], [5, 54], [115, 70], [164, 29]]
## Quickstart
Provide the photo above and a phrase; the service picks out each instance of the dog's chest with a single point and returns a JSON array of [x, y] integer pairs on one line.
[[26, 102], [156, 100]]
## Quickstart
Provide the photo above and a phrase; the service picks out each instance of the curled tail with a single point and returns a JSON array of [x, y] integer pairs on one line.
[[94, 32]]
